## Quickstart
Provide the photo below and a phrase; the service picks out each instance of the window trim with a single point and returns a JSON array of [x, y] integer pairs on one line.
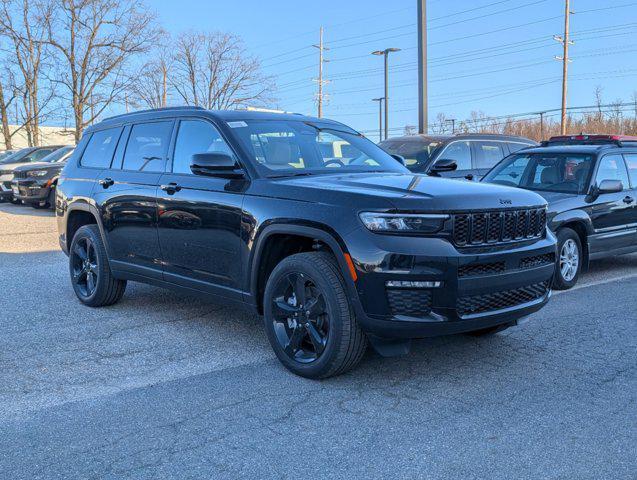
[[593, 180], [173, 145], [130, 132], [88, 141]]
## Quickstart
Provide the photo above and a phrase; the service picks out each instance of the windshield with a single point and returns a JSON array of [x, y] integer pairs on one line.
[[59, 155], [283, 148], [17, 156], [565, 172], [416, 153]]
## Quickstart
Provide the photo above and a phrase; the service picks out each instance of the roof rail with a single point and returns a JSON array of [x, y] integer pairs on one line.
[[587, 139], [163, 109]]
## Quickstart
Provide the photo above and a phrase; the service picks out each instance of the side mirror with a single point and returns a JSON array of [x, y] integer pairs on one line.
[[400, 159], [215, 164], [443, 165], [610, 186]]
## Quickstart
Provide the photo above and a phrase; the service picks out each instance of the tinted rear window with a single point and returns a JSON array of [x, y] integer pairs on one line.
[[100, 148], [147, 146]]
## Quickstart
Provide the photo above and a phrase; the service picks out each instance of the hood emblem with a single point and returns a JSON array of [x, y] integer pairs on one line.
[[505, 201]]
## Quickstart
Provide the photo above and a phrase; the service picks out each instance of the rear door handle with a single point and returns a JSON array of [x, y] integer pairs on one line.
[[106, 182], [629, 200], [171, 188]]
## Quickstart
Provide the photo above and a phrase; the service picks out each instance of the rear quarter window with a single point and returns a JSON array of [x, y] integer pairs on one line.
[[100, 148]]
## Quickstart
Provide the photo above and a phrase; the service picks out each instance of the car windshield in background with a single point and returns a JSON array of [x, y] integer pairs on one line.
[[59, 155], [565, 173], [16, 156], [416, 153], [281, 148]]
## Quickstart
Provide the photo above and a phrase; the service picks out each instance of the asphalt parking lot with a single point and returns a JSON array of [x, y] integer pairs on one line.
[[165, 386]]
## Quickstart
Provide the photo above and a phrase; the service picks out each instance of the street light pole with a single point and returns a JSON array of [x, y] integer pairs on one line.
[[423, 121], [380, 117], [386, 53]]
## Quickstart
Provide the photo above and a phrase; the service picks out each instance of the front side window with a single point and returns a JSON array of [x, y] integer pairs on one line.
[[566, 173], [416, 153], [39, 154], [280, 148], [147, 147], [489, 154], [459, 152], [196, 136], [100, 148], [631, 162], [612, 167], [58, 155]]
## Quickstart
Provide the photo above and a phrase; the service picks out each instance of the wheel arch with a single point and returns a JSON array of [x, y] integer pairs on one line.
[[79, 215], [581, 224], [267, 252]]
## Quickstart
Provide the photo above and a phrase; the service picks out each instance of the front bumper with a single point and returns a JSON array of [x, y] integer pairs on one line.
[[480, 287], [6, 193], [30, 191]]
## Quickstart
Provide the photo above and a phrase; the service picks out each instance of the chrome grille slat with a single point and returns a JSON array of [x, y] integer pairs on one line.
[[481, 228]]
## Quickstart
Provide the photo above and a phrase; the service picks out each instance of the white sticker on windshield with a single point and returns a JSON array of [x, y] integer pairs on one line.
[[237, 124]]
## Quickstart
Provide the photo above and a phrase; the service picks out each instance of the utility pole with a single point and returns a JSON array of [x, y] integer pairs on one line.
[[380, 117], [386, 53], [423, 121], [321, 48], [565, 41], [453, 125], [542, 125], [164, 93]]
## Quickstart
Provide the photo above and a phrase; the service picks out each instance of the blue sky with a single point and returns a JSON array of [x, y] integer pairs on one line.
[[485, 55]]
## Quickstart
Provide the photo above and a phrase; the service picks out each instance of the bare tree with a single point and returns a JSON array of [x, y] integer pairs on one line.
[[97, 40], [23, 24], [214, 71], [5, 104], [150, 88]]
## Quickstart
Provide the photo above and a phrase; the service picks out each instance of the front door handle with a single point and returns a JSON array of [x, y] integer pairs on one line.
[[171, 188], [629, 200], [106, 182]]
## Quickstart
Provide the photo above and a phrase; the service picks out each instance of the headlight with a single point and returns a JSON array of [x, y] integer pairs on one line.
[[37, 173], [403, 222]]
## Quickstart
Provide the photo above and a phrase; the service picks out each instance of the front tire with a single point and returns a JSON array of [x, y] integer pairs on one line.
[[569, 259], [91, 275], [308, 317]]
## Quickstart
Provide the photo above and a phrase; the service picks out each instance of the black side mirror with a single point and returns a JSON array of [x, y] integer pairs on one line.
[[399, 158], [215, 164], [610, 186], [443, 165]]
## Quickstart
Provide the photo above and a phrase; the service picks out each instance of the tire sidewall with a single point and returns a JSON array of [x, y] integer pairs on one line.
[[92, 232], [318, 367], [562, 236]]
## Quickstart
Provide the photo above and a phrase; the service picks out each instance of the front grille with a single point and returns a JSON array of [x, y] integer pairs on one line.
[[471, 229], [412, 303], [20, 175], [537, 260], [476, 269], [489, 302]]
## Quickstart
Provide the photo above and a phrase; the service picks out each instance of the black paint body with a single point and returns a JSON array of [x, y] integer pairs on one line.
[[213, 234]]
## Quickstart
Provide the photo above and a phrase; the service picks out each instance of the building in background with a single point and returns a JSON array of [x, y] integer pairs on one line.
[[48, 136]]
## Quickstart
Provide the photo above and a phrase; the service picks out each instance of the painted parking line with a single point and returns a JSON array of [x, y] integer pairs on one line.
[[595, 284]]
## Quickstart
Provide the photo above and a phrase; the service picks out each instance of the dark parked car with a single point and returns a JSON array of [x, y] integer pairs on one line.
[[9, 163], [473, 154], [34, 183], [590, 183], [251, 209]]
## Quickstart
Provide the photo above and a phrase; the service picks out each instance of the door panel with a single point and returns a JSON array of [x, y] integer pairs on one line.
[[611, 213], [199, 217]]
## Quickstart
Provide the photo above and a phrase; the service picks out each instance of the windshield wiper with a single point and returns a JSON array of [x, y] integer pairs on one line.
[[291, 174]]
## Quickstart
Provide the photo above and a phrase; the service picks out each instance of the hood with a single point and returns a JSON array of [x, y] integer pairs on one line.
[[9, 167], [409, 192], [555, 197]]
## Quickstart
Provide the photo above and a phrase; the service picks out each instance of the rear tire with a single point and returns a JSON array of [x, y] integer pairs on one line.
[[320, 338], [91, 275], [569, 259]]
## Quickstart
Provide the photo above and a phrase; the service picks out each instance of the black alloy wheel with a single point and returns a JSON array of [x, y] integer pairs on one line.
[[300, 317], [84, 268]]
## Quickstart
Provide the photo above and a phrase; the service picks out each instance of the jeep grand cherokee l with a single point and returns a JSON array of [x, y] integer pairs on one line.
[[247, 208], [590, 182]]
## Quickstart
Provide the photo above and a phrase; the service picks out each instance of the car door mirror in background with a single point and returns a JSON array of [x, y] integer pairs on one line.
[[215, 164], [443, 165], [610, 186], [400, 159]]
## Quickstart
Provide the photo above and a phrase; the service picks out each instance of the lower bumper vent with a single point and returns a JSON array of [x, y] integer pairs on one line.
[[489, 302], [411, 303]]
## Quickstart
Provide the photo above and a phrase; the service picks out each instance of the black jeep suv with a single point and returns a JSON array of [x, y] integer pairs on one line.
[[590, 182], [246, 207]]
